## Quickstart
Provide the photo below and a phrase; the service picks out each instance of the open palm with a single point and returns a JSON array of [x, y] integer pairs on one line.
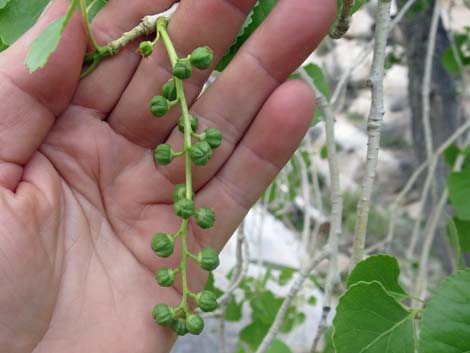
[[80, 194]]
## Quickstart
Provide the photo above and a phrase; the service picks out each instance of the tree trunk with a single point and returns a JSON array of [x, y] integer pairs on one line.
[[443, 99]]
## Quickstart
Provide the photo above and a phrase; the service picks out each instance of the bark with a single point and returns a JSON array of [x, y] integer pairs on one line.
[[443, 99]]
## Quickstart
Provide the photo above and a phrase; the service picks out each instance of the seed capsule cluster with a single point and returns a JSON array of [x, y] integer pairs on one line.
[[198, 150]]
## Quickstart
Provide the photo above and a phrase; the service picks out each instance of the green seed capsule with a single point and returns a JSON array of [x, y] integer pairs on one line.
[[146, 49], [182, 69], [200, 153], [164, 154], [194, 324], [202, 58], [208, 259], [184, 208], [165, 277], [192, 119], [163, 244], [205, 217], [159, 106], [163, 314], [179, 327], [169, 90], [206, 301], [213, 137]]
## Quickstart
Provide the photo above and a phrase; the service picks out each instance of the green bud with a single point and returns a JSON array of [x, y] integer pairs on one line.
[[163, 244], [165, 277], [200, 153], [213, 137], [194, 324], [184, 208], [146, 49], [192, 119], [202, 58], [208, 259], [163, 314], [169, 90], [206, 301], [180, 192], [163, 154], [159, 106], [179, 327], [205, 217], [182, 69]]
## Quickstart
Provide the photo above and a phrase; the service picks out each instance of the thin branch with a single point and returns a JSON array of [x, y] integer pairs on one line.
[[426, 92], [241, 267], [365, 52], [374, 125], [293, 292], [336, 201], [421, 283]]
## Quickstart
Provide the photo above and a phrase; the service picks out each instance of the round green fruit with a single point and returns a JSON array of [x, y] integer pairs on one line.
[[165, 277], [192, 119], [194, 324], [208, 259], [163, 314], [205, 217], [184, 208], [179, 327], [163, 244], [213, 137], [200, 153], [164, 154], [159, 106], [146, 48], [206, 301], [202, 57], [182, 69], [169, 90]]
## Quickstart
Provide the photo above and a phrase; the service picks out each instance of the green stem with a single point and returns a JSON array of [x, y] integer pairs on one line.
[[88, 26], [162, 31]]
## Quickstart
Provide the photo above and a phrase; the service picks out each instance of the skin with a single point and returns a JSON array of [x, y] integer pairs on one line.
[[80, 195]]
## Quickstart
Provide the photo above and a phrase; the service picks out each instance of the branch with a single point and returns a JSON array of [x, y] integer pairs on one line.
[[336, 202], [368, 48], [294, 290], [426, 99], [374, 125], [431, 226]]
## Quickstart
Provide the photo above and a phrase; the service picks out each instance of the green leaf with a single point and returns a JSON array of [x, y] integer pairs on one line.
[[265, 306], [445, 327], [278, 346], [44, 45], [210, 286], [285, 276], [318, 78], [453, 235], [451, 154], [459, 192], [381, 268], [463, 230], [18, 16], [357, 5], [259, 13], [3, 46], [234, 310], [94, 7], [254, 333], [448, 59], [369, 320], [3, 3]]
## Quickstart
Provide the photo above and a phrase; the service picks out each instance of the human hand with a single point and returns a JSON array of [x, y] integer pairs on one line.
[[80, 194]]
